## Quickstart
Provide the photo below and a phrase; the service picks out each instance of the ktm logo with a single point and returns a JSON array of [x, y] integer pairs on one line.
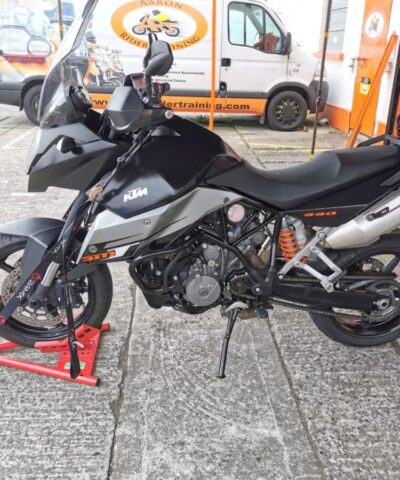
[[136, 193], [320, 214], [99, 256]]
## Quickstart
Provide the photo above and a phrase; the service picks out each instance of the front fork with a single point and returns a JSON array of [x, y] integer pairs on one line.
[[73, 219], [40, 295]]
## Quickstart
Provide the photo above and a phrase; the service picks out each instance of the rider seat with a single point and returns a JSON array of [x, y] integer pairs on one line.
[[329, 172]]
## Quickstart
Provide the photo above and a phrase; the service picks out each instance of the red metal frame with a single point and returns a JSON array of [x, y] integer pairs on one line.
[[88, 338]]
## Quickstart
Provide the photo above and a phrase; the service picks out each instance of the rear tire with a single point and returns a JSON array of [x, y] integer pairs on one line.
[[31, 103], [100, 293], [173, 31], [372, 336], [286, 111]]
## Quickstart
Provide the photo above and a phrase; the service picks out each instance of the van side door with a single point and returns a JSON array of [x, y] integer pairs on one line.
[[252, 51]]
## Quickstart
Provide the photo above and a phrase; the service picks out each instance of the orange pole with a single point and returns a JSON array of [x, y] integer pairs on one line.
[[375, 84], [213, 62]]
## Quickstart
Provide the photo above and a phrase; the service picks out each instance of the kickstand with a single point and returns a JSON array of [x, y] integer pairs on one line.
[[232, 316]]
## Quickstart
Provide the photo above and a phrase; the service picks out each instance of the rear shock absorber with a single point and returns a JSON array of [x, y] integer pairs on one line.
[[287, 242]]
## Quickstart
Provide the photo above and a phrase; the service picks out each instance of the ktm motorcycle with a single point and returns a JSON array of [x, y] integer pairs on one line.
[[197, 225]]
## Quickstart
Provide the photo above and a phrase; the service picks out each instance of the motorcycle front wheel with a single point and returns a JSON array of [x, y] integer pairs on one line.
[[26, 327], [139, 30], [383, 256]]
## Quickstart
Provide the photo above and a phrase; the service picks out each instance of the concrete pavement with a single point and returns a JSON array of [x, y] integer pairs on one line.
[[294, 404]]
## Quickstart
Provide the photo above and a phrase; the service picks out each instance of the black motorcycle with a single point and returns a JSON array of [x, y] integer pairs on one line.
[[198, 226]]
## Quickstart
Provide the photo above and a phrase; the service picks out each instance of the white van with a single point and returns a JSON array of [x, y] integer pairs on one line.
[[259, 69]]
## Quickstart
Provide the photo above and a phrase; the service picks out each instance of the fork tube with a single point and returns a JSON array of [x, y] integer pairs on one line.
[[50, 274]]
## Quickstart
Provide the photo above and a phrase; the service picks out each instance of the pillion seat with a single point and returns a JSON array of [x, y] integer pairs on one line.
[[329, 172]]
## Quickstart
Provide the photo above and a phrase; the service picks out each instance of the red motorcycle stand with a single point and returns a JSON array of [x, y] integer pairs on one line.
[[88, 338]]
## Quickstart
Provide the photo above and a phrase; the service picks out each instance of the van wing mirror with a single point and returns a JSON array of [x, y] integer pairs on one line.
[[159, 59], [287, 46]]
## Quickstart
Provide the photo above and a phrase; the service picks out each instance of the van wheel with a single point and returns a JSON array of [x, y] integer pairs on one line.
[[287, 111], [31, 103]]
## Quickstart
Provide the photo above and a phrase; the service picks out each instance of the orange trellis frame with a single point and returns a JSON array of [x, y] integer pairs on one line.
[[213, 62]]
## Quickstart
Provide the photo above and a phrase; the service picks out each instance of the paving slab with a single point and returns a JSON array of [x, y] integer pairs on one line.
[[179, 421]]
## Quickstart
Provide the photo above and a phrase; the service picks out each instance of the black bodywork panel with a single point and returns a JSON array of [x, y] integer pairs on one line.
[[78, 169], [124, 108], [327, 217], [178, 159], [345, 181]]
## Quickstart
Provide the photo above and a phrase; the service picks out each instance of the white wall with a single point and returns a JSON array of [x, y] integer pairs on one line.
[[341, 75], [388, 77]]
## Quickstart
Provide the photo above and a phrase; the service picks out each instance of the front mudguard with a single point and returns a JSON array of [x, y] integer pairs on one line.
[[41, 234]]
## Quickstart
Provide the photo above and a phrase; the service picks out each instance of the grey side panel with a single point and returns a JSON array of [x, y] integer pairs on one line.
[[161, 222]]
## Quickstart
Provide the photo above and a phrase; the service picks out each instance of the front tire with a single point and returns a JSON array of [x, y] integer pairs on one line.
[[387, 249], [99, 293], [139, 30], [31, 103], [287, 111]]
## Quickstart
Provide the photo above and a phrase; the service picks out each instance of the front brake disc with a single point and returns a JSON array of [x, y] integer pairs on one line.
[[40, 318]]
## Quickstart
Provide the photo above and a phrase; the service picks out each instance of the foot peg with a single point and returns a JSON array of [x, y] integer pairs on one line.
[[232, 316]]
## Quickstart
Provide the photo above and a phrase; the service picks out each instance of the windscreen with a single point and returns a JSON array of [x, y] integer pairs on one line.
[[109, 40], [69, 65]]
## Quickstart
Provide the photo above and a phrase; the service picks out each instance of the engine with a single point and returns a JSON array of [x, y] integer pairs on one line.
[[200, 273], [202, 280]]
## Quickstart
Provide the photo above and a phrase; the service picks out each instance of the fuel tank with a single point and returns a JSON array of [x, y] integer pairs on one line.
[[180, 156]]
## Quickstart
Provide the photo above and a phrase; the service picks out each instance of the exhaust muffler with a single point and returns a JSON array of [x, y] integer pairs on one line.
[[367, 228]]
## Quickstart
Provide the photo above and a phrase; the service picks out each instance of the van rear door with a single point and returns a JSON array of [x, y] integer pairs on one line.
[[252, 61]]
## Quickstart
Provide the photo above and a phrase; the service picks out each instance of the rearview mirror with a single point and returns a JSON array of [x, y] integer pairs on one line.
[[287, 46], [159, 59]]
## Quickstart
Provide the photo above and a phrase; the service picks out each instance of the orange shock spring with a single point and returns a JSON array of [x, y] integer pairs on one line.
[[287, 243]]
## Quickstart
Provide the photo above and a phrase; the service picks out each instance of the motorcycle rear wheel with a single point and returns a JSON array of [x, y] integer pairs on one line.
[[366, 334], [99, 296]]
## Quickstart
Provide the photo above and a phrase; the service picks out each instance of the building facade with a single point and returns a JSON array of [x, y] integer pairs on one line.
[[359, 33]]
